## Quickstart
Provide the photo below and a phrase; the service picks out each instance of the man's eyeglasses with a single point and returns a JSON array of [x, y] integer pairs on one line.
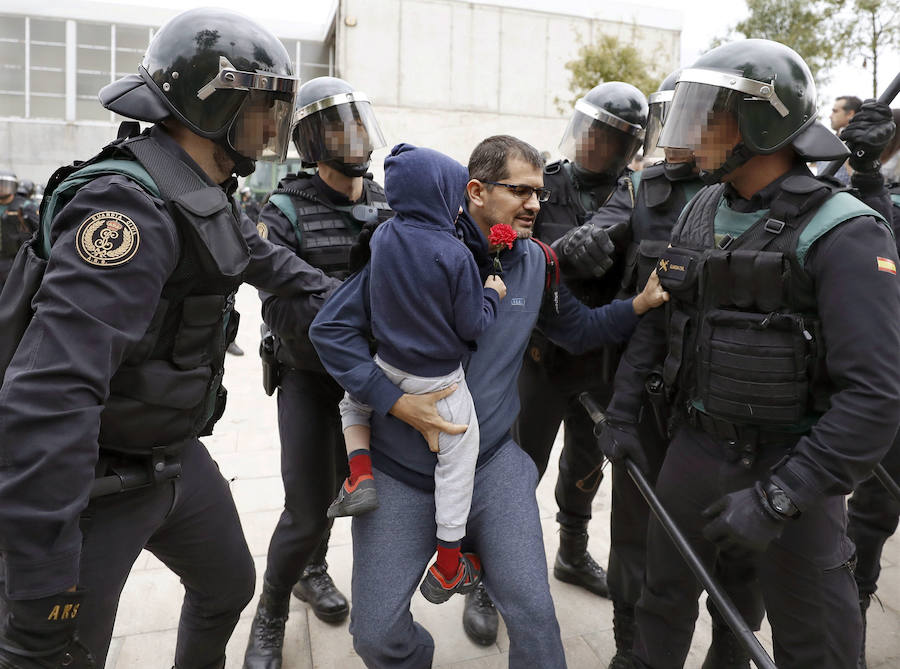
[[522, 191]]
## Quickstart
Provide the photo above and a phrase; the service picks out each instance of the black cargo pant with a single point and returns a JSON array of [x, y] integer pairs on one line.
[[874, 513], [548, 390], [192, 526], [805, 575], [313, 466]]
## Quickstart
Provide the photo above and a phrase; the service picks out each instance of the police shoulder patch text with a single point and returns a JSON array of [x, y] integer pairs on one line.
[[107, 239]]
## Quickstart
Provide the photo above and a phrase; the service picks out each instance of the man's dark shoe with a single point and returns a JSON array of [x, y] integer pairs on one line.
[[623, 630], [576, 566], [437, 589], [234, 349], [480, 619], [725, 651], [355, 500], [316, 588], [267, 631]]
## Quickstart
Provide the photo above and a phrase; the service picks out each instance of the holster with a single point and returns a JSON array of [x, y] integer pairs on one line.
[[271, 367]]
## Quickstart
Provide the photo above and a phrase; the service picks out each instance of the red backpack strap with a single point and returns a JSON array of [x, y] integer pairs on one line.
[[551, 275]]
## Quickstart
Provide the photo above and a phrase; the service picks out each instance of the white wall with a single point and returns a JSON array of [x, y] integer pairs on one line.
[[446, 73]]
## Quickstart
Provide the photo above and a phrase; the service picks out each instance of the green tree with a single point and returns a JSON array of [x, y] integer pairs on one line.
[[608, 59], [875, 31], [811, 28]]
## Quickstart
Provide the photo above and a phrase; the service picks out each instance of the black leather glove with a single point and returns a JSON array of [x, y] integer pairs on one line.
[[619, 440], [584, 252], [743, 522], [868, 133], [40, 633], [360, 251]]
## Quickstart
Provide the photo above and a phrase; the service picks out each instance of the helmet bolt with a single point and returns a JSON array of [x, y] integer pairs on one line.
[[174, 75], [264, 82], [765, 90], [229, 76], [166, 87]]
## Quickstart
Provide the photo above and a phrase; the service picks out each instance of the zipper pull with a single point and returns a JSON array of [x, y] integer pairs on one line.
[[806, 334]]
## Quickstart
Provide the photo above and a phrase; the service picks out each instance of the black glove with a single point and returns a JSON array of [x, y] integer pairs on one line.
[[868, 133], [743, 522], [40, 633], [360, 251], [584, 252], [619, 440]]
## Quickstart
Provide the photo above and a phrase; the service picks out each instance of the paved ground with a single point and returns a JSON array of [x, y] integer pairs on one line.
[[246, 448]]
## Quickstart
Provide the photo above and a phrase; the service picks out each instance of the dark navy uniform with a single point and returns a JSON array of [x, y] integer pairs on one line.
[[120, 371], [18, 221], [301, 216], [816, 421]]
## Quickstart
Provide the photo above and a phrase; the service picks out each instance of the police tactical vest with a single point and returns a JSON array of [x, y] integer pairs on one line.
[[745, 342], [325, 231], [658, 202], [168, 390]]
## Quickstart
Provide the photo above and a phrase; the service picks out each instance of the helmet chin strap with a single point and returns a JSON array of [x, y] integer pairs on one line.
[[351, 170], [740, 154]]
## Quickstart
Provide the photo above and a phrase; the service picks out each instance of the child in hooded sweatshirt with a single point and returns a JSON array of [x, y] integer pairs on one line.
[[428, 306]]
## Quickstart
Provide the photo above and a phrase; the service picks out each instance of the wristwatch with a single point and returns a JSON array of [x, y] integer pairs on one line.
[[780, 502]]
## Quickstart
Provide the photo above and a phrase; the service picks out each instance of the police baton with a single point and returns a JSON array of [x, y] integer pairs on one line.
[[889, 483], [887, 97], [722, 600]]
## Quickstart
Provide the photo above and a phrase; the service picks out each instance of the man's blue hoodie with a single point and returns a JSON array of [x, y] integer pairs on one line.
[[427, 296]]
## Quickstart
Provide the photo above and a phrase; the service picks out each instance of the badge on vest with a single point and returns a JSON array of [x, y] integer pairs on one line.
[[263, 230], [107, 239]]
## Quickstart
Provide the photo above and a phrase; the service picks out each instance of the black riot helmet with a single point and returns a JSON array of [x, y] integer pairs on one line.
[[223, 76], [26, 188], [334, 124], [758, 89], [8, 184], [659, 103], [606, 129]]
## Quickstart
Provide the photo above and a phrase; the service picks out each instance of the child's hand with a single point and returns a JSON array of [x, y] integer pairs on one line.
[[495, 282]]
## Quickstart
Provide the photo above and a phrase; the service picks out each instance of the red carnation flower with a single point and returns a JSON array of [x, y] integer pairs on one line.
[[501, 234]]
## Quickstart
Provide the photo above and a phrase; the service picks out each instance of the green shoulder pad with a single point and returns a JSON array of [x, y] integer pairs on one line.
[[66, 190], [838, 208], [286, 207]]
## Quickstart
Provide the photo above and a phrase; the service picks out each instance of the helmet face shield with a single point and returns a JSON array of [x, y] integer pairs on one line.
[[598, 141], [8, 185], [703, 119], [262, 129], [659, 107], [340, 128]]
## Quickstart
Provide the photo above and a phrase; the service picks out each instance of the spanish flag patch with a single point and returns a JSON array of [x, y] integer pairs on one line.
[[886, 265]]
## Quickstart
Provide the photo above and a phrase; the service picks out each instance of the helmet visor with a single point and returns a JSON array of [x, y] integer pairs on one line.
[[659, 107], [262, 129], [598, 141], [341, 128], [8, 185], [703, 119]]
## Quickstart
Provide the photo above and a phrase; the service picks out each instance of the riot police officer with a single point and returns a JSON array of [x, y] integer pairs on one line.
[[605, 132], [115, 373], [18, 219], [318, 217], [779, 354]]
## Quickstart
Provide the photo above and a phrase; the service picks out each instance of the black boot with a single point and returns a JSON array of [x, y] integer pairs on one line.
[[480, 618], [623, 630], [575, 565], [316, 588], [863, 609], [267, 630], [725, 651]]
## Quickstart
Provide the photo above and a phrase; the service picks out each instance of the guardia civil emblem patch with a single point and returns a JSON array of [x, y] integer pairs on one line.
[[107, 239], [262, 230]]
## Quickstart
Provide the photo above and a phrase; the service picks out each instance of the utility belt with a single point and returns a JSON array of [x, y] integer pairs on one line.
[[740, 442], [117, 473]]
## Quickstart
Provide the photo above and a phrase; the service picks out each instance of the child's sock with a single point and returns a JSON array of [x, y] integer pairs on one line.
[[360, 465], [447, 562]]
